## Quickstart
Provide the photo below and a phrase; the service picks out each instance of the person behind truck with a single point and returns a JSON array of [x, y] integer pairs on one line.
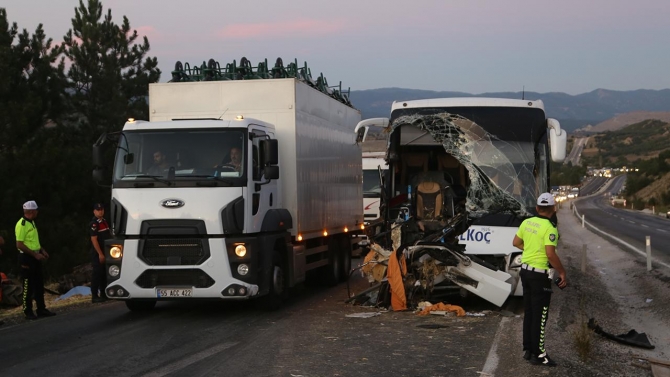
[[99, 232], [235, 161], [31, 258], [537, 237], [160, 164]]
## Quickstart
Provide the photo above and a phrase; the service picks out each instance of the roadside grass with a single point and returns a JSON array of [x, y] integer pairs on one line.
[[583, 336]]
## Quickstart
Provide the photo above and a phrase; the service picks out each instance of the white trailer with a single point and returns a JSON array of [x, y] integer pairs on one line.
[[202, 228]]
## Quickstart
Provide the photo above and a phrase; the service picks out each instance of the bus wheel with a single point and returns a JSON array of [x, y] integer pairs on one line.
[[140, 306]]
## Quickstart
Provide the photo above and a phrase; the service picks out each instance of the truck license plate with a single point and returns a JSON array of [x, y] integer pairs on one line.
[[174, 292]]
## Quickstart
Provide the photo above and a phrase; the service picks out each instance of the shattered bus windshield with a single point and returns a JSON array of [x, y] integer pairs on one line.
[[502, 149]]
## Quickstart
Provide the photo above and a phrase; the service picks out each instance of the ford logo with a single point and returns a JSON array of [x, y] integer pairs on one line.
[[172, 203]]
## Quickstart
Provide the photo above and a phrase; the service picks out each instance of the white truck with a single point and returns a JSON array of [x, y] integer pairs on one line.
[[373, 164], [463, 174], [205, 227]]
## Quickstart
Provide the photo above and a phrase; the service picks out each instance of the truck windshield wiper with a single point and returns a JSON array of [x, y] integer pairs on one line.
[[156, 178], [218, 179]]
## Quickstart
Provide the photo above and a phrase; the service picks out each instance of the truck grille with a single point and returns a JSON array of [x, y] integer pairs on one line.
[[186, 278], [174, 251]]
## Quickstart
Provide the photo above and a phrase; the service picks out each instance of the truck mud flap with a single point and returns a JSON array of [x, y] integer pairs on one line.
[[490, 285]]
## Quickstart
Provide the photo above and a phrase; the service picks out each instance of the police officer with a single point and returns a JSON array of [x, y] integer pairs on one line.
[[31, 258], [537, 237], [99, 232]]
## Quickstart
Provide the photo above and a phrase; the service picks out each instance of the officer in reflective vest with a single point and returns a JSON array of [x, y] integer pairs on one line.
[[31, 258], [537, 237]]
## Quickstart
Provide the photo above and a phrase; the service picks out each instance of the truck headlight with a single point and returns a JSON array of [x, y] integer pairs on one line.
[[243, 269], [240, 250], [116, 251], [114, 270]]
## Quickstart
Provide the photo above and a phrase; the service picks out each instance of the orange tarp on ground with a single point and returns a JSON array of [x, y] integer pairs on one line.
[[446, 307], [396, 270]]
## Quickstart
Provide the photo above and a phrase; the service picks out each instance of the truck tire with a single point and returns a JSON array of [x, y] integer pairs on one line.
[[278, 288], [140, 306], [333, 270], [345, 257]]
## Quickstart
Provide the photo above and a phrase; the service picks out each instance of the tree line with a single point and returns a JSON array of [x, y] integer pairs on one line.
[[55, 101]]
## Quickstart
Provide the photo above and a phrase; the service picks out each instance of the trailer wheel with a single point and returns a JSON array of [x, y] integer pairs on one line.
[[278, 289], [140, 306], [345, 257]]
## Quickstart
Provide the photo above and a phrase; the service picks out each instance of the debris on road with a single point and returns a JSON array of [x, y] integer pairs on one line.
[[363, 315], [80, 290], [443, 307], [632, 338]]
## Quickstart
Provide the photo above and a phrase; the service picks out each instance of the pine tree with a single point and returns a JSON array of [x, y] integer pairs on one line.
[[110, 72]]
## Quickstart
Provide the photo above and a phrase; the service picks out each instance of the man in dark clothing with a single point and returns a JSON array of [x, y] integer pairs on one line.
[[31, 258], [99, 232]]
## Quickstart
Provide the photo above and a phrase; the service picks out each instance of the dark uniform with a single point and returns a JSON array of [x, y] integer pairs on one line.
[[536, 233], [98, 227]]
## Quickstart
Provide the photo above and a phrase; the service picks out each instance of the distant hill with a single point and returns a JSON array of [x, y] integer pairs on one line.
[[623, 120], [641, 140], [572, 111]]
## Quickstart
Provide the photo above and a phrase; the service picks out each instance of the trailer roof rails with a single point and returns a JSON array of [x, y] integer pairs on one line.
[[213, 71]]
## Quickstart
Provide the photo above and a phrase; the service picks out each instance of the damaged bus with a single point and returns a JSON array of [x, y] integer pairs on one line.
[[463, 174]]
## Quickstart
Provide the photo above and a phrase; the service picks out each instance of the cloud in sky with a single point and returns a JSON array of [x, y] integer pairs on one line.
[[282, 29]]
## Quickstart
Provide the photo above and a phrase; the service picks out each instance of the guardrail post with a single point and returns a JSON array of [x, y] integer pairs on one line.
[[648, 243], [583, 258], [582, 221]]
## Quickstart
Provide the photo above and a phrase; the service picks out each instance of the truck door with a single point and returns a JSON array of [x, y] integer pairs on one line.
[[262, 196]]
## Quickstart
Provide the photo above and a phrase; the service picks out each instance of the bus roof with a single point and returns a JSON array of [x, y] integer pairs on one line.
[[467, 102]]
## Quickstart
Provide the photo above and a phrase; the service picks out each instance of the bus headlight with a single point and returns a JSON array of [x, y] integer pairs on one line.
[[116, 251], [243, 269], [240, 250], [114, 270]]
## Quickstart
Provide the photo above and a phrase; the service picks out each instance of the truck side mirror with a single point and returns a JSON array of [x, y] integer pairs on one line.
[[557, 140], [98, 174], [360, 134], [129, 158], [269, 152], [97, 155], [271, 172]]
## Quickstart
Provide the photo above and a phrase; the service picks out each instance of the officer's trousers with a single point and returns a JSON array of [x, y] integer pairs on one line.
[[536, 298], [33, 283], [98, 276]]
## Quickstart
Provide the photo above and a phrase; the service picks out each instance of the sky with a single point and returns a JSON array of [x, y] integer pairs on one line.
[[472, 46]]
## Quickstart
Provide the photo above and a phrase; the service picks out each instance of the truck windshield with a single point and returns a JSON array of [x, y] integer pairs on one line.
[[181, 157], [371, 188]]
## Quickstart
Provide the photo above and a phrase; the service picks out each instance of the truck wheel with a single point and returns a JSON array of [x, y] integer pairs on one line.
[[278, 289], [345, 258], [140, 306], [333, 270]]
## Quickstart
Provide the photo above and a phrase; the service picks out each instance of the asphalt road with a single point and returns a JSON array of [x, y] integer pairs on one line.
[[628, 225], [309, 336], [576, 151]]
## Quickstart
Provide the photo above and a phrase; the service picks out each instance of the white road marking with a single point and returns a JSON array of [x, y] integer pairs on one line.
[[632, 222], [181, 364], [645, 225], [661, 230], [492, 359]]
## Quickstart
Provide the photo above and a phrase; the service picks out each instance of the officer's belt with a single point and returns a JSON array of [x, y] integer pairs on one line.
[[534, 269]]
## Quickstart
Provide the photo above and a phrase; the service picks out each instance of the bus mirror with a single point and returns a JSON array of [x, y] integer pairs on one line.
[[129, 158], [557, 140], [361, 129], [360, 134], [269, 152]]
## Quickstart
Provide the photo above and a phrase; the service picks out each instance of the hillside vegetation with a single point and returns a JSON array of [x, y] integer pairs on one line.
[[644, 146]]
